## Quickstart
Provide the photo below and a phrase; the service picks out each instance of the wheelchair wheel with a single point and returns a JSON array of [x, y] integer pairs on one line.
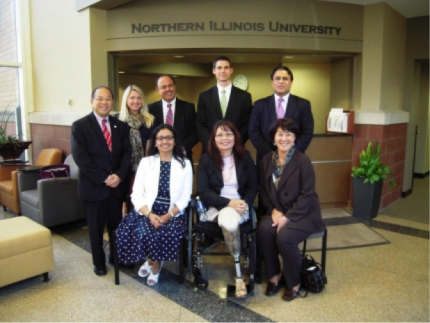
[[199, 281]]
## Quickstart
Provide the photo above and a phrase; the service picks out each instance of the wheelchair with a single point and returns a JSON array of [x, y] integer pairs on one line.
[[201, 230]]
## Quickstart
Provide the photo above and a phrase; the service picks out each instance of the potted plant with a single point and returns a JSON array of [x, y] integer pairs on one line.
[[11, 147], [368, 181]]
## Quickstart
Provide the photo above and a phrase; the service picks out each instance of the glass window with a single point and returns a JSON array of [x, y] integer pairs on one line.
[[9, 100], [8, 32]]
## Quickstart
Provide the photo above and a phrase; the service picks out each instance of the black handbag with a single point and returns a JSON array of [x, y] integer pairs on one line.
[[313, 277]]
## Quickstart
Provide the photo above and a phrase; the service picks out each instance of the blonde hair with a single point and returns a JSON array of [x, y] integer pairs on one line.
[[125, 112]]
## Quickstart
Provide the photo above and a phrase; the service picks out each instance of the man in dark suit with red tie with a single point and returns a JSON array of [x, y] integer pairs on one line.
[[181, 115], [223, 101], [101, 149], [281, 104]]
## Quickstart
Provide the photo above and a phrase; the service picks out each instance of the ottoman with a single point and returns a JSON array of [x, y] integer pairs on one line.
[[25, 250]]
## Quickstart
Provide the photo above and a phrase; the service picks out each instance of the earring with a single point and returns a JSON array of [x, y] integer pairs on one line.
[[274, 144]]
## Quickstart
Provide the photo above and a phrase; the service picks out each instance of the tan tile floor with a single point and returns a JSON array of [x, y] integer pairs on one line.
[[387, 283]]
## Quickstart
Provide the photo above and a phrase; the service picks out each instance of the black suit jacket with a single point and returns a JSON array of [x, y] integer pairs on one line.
[[184, 123], [91, 153], [264, 114], [238, 112], [210, 181], [295, 197]]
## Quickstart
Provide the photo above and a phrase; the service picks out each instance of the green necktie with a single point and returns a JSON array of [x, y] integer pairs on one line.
[[223, 103]]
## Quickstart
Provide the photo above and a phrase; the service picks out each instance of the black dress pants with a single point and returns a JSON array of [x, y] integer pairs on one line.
[[285, 243], [100, 213]]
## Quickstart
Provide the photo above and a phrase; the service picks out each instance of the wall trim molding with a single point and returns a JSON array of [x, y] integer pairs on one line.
[[419, 175], [407, 193], [381, 117], [56, 118]]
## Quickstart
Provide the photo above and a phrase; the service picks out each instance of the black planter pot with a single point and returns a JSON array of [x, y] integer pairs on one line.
[[366, 198], [12, 151]]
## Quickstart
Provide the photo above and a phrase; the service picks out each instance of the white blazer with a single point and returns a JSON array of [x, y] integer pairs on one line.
[[145, 188]]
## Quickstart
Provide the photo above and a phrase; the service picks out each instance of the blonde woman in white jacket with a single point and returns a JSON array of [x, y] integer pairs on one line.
[[161, 192]]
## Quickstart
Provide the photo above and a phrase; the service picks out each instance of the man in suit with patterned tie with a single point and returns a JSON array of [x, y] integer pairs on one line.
[[281, 104], [223, 101], [181, 115], [101, 149]]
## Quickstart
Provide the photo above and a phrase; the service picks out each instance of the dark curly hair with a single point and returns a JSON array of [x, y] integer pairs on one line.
[[178, 150]]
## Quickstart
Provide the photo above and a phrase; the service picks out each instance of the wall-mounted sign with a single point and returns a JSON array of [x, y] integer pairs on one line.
[[214, 26]]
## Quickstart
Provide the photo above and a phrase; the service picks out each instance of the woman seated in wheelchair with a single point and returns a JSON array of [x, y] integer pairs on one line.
[[227, 184], [161, 192], [287, 191]]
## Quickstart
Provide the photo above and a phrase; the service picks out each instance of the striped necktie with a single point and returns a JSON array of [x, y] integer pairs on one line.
[[107, 135], [169, 117]]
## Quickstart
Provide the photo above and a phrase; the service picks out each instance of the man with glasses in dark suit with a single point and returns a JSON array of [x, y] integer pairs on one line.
[[281, 104], [101, 149]]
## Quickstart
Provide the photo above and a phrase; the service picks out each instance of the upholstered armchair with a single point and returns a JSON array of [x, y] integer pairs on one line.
[[9, 197], [49, 202]]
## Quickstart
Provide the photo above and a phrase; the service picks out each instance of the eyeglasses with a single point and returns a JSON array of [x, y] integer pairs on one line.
[[103, 99], [168, 138], [227, 135]]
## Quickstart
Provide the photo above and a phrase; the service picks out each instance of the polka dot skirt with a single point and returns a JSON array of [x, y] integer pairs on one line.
[[138, 239]]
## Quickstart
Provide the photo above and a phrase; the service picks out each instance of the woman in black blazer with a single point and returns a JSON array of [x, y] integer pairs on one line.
[[287, 190], [227, 184]]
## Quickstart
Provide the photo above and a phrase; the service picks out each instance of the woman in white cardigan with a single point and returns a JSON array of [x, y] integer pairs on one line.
[[161, 192]]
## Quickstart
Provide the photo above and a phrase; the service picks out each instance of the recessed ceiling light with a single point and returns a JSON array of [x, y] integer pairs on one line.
[[121, 72], [178, 56], [288, 56]]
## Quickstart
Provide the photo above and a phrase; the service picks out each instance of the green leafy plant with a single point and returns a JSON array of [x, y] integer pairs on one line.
[[4, 137], [371, 167]]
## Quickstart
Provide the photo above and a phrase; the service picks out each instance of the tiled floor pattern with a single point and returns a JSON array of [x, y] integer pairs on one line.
[[388, 280]]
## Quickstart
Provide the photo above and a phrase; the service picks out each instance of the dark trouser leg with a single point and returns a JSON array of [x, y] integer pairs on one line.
[[288, 244], [114, 217], [96, 213], [268, 247]]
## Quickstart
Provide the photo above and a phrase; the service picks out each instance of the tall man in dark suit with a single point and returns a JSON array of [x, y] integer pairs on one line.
[[101, 149], [182, 114], [223, 101], [281, 104]]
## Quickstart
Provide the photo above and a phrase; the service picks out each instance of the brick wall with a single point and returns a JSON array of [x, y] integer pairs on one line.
[[50, 136], [392, 139]]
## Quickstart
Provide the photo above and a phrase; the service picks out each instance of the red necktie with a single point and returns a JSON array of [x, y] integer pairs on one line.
[[169, 117], [107, 135]]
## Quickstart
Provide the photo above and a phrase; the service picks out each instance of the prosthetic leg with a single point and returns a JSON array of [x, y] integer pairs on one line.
[[232, 240]]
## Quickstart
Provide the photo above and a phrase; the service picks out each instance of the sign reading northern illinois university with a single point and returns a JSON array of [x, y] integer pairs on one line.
[[293, 24], [214, 26]]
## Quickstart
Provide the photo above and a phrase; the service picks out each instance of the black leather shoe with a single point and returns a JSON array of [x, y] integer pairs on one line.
[[289, 295], [120, 264], [272, 288], [100, 271]]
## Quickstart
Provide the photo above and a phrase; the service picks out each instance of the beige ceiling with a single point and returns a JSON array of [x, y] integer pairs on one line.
[[407, 8]]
